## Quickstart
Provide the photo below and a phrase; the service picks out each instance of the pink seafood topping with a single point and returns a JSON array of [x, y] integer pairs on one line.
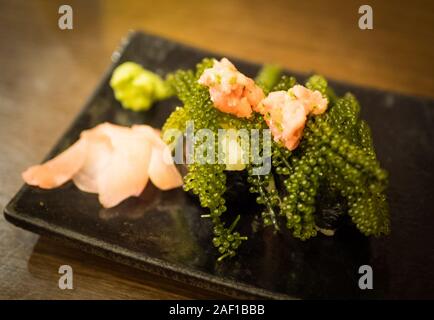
[[285, 117], [231, 91], [313, 101], [113, 161], [286, 113]]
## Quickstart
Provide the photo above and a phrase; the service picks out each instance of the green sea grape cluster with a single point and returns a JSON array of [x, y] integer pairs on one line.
[[207, 181], [335, 160]]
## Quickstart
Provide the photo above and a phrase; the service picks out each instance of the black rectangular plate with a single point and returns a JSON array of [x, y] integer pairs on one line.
[[162, 232]]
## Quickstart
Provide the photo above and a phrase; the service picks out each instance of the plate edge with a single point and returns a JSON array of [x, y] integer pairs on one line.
[[159, 267]]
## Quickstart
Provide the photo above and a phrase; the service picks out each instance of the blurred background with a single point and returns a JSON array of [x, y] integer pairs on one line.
[[46, 74]]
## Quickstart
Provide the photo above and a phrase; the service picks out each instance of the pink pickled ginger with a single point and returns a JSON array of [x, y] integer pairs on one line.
[[113, 161]]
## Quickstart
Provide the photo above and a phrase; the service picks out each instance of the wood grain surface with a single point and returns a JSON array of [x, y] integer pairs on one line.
[[46, 74]]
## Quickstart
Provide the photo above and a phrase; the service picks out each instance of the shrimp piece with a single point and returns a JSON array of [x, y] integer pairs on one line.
[[285, 117], [230, 90], [313, 101]]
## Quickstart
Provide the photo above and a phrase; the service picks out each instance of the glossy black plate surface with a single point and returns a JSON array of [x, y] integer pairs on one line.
[[162, 232]]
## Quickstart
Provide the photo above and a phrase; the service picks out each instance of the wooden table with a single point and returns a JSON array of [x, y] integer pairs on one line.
[[46, 75]]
